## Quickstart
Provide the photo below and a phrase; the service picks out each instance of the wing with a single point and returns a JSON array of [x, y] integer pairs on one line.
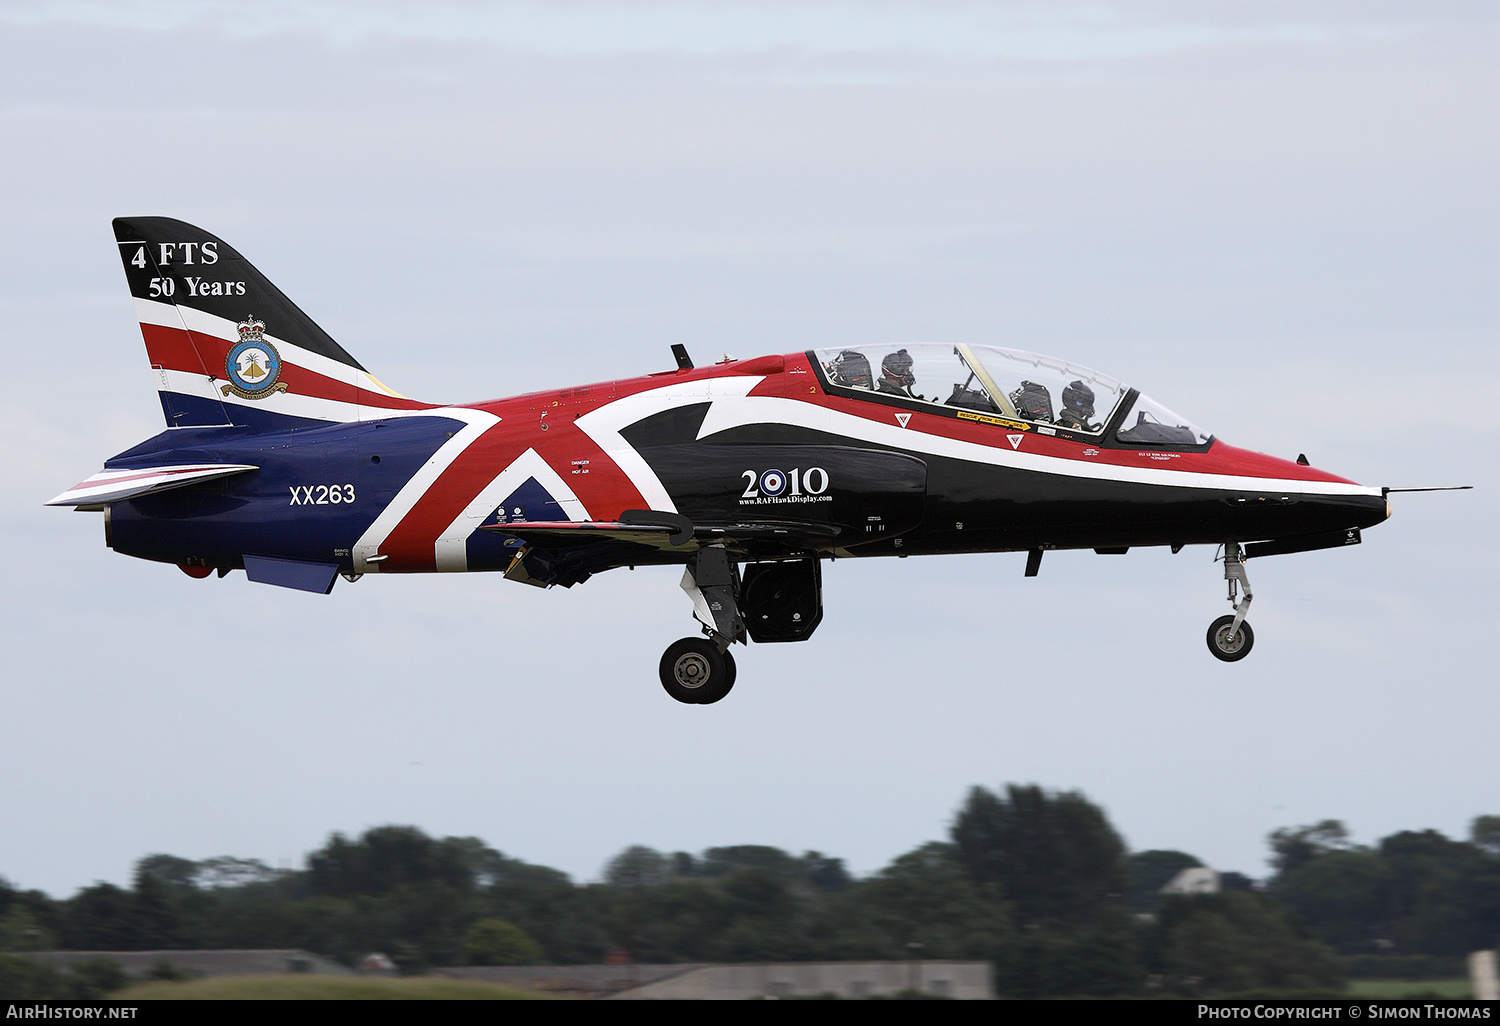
[[570, 534], [566, 534], [569, 552]]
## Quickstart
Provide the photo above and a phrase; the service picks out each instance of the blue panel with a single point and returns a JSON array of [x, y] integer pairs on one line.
[[292, 573], [270, 511], [175, 446], [490, 550], [487, 550], [191, 411], [530, 502]]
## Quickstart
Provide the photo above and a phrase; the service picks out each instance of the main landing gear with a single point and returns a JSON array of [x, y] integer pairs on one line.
[[775, 601], [694, 671], [1230, 637], [700, 671]]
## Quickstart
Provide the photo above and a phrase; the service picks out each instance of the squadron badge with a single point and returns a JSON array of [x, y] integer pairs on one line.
[[253, 365]]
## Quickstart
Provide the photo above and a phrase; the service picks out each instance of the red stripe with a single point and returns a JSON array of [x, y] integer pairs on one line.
[[604, 492], [171, 348], [196, 353], [112, 481]]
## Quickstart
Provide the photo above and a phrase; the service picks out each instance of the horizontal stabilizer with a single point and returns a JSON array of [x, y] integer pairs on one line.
[[132, 482]]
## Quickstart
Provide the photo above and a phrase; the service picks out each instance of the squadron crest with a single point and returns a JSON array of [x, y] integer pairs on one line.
[[253, 364]]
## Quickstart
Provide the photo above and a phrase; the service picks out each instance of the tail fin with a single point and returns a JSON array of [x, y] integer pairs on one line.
[[227, 347]]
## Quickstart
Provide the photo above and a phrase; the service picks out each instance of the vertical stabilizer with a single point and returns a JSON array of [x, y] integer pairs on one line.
[[227, 347]]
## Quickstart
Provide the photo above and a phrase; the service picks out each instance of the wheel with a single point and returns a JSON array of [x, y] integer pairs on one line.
[[730, 673], [1225, 648], [695, 672]]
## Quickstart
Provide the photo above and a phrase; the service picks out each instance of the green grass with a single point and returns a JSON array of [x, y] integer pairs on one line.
[[1378, 989], [297, 987]]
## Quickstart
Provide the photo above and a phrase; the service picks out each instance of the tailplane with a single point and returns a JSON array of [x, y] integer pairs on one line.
[[228, 348]]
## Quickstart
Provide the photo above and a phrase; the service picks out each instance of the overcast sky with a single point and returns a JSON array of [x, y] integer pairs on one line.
[[1278, 219]]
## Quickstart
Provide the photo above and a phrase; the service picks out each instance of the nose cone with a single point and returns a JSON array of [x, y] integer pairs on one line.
[[1284, 497], [1369, 509], [1228, 459]]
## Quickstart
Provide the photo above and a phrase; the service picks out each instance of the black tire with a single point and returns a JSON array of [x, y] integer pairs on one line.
[[730, 673], [1230, 652], [695, 672]]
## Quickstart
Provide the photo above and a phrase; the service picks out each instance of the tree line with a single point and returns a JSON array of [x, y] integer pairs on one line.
[[1037, 882]]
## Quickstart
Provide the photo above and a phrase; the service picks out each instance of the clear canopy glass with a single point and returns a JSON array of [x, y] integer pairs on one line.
[[1006, 383]]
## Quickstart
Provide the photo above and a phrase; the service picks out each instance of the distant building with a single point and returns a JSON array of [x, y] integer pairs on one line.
[[246, 962], [960, 980], [1196, 880]]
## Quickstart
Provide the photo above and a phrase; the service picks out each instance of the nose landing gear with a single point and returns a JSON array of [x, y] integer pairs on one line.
[[1230, 637], [1227, 643]]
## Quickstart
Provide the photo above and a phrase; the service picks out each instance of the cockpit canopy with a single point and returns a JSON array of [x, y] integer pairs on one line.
[[1010, 384]]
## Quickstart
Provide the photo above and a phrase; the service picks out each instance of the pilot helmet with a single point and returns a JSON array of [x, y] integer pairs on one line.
[[1078, 400], [896, 368], [850, 368]]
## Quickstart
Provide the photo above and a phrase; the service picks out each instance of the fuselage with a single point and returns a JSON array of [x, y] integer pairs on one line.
[[285, 457], [770, 441]]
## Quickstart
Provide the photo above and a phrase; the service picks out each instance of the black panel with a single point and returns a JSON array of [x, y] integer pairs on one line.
[[171, 261], [1003, 508], [866, 493], [1304, 543], [670, 427]]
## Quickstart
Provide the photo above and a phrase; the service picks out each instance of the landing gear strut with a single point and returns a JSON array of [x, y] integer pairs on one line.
[[1230, 637], [700, 671]]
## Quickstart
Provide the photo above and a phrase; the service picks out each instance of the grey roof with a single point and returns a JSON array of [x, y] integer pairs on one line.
[[709, 980], [579, 980], [246, 962]]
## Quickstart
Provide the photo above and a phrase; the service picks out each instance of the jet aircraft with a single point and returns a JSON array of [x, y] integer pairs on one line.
[[283, 456]]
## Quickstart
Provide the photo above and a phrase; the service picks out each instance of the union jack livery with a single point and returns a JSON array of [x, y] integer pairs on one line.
[[286, 458]]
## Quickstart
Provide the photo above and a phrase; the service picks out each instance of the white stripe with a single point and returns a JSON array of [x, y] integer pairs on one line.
[[452, 549], [726, 414], [291, 404], [167, 315], [603, 426], [478, 422]]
